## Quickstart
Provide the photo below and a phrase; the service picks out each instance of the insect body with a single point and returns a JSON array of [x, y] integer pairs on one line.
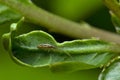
[[45, 46], [49, 47]]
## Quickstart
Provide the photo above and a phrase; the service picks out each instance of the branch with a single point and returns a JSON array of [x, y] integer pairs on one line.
[[58, 24]]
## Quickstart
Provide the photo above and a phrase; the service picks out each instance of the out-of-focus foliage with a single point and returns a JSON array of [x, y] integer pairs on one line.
[[7, 15], [72, 9]]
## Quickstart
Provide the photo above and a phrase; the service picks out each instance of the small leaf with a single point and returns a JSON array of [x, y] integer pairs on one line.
[[112, 72]]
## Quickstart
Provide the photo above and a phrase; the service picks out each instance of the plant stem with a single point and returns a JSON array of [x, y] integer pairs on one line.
[[58, 24]]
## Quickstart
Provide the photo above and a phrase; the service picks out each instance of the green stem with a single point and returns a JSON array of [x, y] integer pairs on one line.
[[58, 24]]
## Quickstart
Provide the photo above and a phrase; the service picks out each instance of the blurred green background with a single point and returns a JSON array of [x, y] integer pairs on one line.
[[91, 11]]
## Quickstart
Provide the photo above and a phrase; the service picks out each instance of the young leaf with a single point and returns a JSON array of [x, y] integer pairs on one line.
[[112, 72], [39, 49]]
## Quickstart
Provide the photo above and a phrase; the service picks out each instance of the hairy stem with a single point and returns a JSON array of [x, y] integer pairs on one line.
[[58, 24]]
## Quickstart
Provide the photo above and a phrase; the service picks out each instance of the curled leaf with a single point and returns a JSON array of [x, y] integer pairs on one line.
[[39, 49]]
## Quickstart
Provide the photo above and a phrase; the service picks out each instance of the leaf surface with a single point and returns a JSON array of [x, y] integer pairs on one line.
[[112, 72]]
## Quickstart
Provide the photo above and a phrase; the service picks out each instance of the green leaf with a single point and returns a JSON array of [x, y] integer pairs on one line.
[[7, 15], [112, 72], [36, 48]]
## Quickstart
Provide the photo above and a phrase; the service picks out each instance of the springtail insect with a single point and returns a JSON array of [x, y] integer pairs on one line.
[[48, 47], [45, 46]]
